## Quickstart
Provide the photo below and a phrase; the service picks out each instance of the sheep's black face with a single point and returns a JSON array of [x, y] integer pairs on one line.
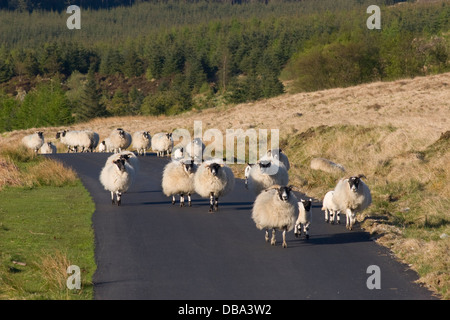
[[58, 134], [188, 167], [121, 133], [264, 166], [284, 193], [214, 168], [120, 163], [353, 182], [40, 134], [146, 135], [306, 204]]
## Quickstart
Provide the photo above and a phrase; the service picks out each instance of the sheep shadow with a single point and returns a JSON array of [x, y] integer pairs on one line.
[[330, 239]]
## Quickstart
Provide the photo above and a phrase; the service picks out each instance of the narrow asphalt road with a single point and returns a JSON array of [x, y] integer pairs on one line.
[[149, 249]]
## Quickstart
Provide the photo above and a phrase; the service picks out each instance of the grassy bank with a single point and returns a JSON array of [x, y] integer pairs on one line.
[[45, 226]]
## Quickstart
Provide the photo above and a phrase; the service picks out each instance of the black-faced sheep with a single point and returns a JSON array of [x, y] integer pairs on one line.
[[178, 178]]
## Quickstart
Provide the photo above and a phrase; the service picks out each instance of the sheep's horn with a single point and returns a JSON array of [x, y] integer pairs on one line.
[[294, 188], [362, 176]]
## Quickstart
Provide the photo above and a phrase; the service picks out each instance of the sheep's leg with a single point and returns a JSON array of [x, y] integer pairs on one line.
[[273, 241], [306, 230], [297, 230], [189, 200], [284, 237], [173, 199], [211, 202], [326, 216], [349, 219], [267, 235], [216, 204], [112, 197], [181, 200], [246, 183], [119, 198], [338, 215]]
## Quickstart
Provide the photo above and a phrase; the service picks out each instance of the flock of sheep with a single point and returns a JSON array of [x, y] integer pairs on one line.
[[276, 207]]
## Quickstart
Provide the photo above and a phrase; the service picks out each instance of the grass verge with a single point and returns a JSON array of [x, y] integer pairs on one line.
[[45, 226]]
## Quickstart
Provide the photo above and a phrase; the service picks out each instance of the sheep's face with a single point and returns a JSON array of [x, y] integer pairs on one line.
[[284, 193], [40, 134], [306, 204], [120, 163], [214, 168], [146, 135], [121, 133], [353, 183], [188, 167], [264, 166]]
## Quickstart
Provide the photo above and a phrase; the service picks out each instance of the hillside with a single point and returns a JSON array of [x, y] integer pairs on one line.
[[396, 133]]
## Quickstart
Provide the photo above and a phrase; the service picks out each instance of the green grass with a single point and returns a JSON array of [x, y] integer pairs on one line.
[[43, 231]]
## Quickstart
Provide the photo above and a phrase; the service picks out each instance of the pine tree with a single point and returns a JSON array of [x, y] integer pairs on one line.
[[90, 103]]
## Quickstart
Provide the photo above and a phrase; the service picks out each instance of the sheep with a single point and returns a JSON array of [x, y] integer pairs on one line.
[[277, 154], [102, 146], [266, 173], [304, 218], [276, 208], [247, 173], [195, 148], [178, 178], [117, 178], [178, 153], [34, 141], [142, 141], [326, 165], [351, 196], [119, 140], [213, 179], [331, 210], [87, 140], [47, 148], [162, 143]]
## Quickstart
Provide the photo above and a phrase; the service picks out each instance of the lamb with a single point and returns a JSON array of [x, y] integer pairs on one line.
[[266, 173], [34, 141], [117, 178], [194, 149], [119, 140], [47, 148], [276, 208], [102, 146], [178, 178], [162, 143], [142, 141], [277, 154], [304, 218], [326, 165], [330, 208], [351, 196], [247, 173], [213, 179]]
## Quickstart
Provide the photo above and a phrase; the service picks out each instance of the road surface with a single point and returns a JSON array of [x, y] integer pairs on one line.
[[149, 249]]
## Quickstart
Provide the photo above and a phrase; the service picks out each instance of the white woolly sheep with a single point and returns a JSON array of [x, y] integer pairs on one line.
[[332, 211], [213, 179], [119, 140], [178, 153], [34, 141], [162, 143], [194, 149], [247, 173], [102, 146], [276, 208], [352, 196], [266, 173], [87, 140], [142, 141], [326, 165], [47, 148], [117, 178], [68, 138], [178, 178], [304, 218], [277, 154]]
